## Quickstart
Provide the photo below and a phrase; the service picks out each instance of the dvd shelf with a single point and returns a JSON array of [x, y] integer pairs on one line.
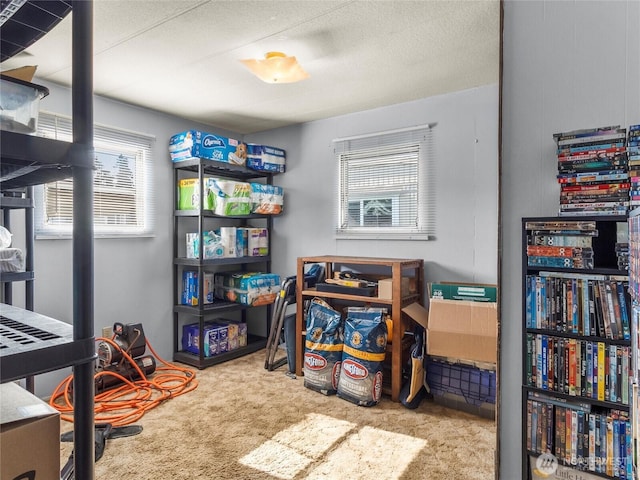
[[634, 291], [578, 376]]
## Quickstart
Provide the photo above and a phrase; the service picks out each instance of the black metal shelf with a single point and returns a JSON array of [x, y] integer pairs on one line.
[[31, 344], [210, 213], [30, 160], [254, 343], [195, 262], [214, 167], [30, 22], [10, 202], [555, 333], [580, 271], [218, 306], [6, 277], [578, 398], [202, 167]]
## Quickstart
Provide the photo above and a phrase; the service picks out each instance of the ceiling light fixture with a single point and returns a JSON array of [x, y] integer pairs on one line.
[[276, 67]]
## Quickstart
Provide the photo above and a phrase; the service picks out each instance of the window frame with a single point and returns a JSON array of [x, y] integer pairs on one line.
[[412, 146], [108, 140]]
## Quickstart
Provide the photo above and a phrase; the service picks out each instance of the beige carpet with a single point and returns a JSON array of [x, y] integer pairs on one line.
[[244, 422]]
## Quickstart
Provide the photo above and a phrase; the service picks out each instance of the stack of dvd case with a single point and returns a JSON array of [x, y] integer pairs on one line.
[[561, 244], [633, 155], [593, 171]]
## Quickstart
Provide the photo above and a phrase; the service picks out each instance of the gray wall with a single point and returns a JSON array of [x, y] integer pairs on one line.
[[566, 65], [133, 275], [465, 138]]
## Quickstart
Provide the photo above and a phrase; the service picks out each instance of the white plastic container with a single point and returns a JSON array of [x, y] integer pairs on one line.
[[20, 104]]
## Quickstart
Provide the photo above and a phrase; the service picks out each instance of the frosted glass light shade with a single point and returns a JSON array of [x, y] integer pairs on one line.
[[276, 67]]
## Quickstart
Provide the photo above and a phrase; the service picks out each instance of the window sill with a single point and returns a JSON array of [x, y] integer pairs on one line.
[[384, 236]]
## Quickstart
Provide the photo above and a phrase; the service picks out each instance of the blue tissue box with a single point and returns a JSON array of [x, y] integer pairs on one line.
[[194, 144]]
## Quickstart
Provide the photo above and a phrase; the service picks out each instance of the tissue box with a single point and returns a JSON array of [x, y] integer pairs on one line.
[[211, 339], [257, 242], [190, 288], [265, 158], [20, 104], [229, 198], [236, 333], [212, 245], [266, 199], [241, 242], [194, 144], [223, 337], [228, 240]]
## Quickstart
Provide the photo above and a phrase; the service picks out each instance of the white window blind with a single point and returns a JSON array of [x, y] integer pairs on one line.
[[386, 185], [122, 186]]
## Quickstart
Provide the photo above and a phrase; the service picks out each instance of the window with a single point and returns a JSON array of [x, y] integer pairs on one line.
[[121, 184], [385, 187]]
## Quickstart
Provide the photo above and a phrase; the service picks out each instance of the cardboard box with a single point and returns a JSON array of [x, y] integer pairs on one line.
[[385, 287], [194, 144], [475, 292], [459, 329], [29, 435], [463, 329], [190, 288], [266, 158]]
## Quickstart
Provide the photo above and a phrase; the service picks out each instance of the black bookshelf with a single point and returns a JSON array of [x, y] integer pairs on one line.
[[605, 265]]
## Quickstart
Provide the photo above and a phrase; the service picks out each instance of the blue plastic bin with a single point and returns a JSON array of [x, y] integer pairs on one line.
[[477, 386]]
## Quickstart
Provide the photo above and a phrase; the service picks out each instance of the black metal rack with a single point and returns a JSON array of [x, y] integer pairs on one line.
[[33, 343], [29, 22], [203, 167]]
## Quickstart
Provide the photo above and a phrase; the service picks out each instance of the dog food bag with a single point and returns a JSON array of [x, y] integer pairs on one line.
[[323, 347], [363, 353]]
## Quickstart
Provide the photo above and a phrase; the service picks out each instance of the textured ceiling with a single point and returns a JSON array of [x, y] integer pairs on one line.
[[183, 57]]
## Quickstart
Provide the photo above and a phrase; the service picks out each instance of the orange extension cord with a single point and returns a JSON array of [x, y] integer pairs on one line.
[[127, 403]]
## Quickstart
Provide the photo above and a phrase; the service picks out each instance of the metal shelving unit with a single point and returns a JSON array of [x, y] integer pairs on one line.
[[201, 312], [32, 343]]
